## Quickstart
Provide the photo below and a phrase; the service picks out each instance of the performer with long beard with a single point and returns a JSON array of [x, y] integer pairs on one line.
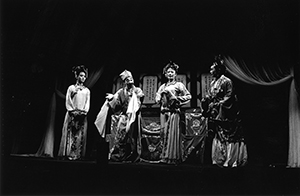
[[125, 105]]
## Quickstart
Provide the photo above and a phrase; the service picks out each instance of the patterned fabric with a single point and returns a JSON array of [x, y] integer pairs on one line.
[[125, 127], [194, 137], [228, 147], [74, 132], [151, 148], [151, 140], [76, 136], [172, 96]]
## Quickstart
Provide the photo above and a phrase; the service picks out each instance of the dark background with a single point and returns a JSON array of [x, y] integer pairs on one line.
[[41, 40]]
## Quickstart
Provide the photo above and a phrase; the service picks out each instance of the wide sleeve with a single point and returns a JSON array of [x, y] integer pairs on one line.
[[184, 95], [140, 95], [139, 92], [86, 107], [100, 121], [227, 90], [115, 101], [69, 98], [209, 93], [158, 93]]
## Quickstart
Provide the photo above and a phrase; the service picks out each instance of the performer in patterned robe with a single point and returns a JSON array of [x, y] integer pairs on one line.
[[171, 96], [124, 106], [220, 106], [74, 132]]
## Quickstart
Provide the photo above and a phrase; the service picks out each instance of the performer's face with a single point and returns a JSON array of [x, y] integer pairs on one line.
[[129, 80], [170, 74], [81, 77]]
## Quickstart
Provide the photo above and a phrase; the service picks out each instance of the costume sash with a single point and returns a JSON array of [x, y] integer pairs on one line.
[[133, 107]]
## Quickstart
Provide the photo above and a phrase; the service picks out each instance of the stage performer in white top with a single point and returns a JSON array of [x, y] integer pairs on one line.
[[74, 132]]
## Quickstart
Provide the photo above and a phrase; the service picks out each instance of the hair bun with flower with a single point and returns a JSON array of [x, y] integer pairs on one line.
[[219, 62], [219, 59], [80, 68], [171, 65]]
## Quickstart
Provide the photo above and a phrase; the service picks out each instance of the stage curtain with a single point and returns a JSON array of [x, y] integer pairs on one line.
[[47, 145], [268, 78]]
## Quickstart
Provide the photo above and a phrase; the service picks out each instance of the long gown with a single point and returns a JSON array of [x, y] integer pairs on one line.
[[119, 121], [172, 96], [74, 131], [228, 146]]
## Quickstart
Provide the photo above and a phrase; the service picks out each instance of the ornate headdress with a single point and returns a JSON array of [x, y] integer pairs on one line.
[[219, 62], [172, 65], [125, 74], [80, 68]]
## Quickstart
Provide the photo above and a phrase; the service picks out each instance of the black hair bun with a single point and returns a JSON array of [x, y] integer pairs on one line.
[[80, 68]]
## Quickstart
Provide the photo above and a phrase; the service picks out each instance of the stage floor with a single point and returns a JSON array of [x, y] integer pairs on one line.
[[26, 175]]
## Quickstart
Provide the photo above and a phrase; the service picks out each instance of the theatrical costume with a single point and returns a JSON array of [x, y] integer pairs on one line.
[[74, 132], [120, 118], [172, 96], [228, 145]]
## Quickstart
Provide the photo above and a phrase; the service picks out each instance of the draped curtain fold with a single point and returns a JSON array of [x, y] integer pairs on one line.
[[47, 145], [268, 78]]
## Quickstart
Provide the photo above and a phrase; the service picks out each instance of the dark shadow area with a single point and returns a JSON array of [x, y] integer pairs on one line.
[[41, 40], [42, 176]]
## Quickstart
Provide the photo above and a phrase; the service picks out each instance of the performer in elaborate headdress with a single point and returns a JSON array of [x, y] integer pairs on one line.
[[220, 106], [125, 104], [74, 132], [171, 96]]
